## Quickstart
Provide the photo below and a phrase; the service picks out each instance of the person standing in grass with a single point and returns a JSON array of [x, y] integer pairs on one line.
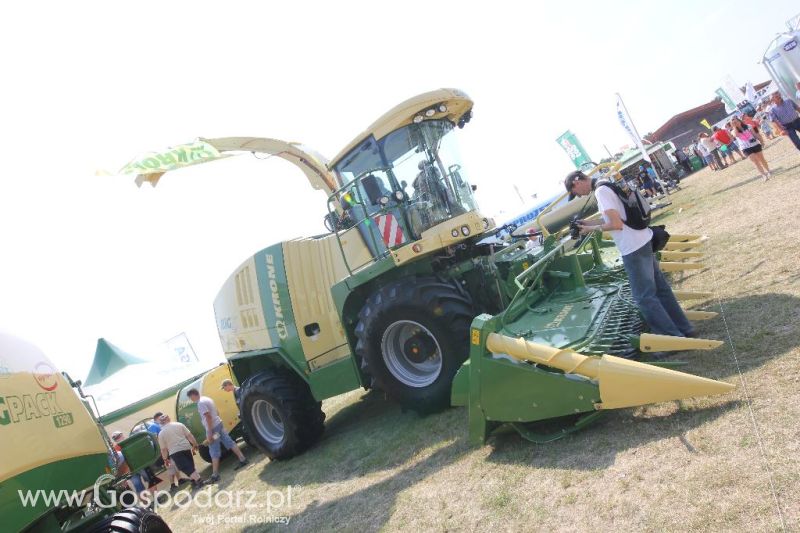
[[215, 432], [649, 287], [784, 112], [722, 137], [178, 446], [750, 146]]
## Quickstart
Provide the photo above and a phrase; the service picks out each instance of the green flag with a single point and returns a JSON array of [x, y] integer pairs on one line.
[[730, 107], [570, 143], [150, 167]]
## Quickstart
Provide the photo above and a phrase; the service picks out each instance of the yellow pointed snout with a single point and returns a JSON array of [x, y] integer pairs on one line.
[[622, 383], [649, 342]]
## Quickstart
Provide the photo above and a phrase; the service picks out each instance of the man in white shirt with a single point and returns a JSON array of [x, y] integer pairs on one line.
[[215, 432], [178, 446], [649, 288], [712, 146]]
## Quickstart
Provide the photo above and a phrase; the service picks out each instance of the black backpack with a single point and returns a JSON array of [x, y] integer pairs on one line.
[[637, 208]]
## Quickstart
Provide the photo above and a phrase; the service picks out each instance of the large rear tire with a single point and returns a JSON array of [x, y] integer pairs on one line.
[[132, 520], [413, 335], [281, 416]]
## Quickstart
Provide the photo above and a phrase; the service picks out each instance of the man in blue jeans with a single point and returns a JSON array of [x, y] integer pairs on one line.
[[649, 288], [215, 432], [785, 113]]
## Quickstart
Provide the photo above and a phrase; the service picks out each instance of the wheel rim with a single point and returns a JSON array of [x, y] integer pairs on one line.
[[268, 421], [397, 340]]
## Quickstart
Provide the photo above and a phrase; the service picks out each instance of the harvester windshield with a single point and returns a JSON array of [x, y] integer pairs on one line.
[[417, 169]]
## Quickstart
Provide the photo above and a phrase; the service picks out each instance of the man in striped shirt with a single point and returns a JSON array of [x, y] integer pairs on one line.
[[784, 112]]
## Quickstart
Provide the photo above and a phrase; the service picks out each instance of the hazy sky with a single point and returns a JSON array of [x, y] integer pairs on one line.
[[90, 85]]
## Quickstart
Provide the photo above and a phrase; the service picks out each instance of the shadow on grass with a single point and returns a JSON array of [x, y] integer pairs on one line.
[[596, 446], [369, 435], [762, 326], [738, 184], [371, 507]]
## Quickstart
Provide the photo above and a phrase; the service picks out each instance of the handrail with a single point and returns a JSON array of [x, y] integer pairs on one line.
[[524, 274]]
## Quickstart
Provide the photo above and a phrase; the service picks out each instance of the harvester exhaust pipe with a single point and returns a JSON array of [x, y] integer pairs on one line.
[[622, 383]]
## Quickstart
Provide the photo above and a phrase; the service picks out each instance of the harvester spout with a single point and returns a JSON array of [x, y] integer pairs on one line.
[[622, 383]]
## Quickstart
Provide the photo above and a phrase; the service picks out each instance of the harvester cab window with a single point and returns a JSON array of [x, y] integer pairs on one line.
[[405, 183]]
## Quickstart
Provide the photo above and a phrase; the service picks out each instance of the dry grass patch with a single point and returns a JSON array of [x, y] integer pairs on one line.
[[726, 463]]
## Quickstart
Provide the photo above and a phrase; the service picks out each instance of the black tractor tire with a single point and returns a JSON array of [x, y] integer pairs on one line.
[[132, 520], [413, 335], [204, 453], [280, 415]]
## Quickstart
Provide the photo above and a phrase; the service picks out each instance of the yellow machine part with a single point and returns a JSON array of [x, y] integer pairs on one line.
[[622, 383], [225, 401], [675, 256], [691, 295], [677, 246], [668, 266], [43, 421], [648, 342], [700, 315], [684, 237]]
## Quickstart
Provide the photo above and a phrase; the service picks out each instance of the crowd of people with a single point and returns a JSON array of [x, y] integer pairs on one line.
[[178, 446], [745, 136]]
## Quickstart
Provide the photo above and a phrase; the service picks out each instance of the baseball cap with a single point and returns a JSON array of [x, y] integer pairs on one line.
[[570, 180], [116, 435]]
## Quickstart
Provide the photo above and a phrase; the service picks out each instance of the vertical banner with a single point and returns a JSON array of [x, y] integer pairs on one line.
[[180, 349], [627, 123], [733, 90], [574, 149], [730, 106], [750, 92]]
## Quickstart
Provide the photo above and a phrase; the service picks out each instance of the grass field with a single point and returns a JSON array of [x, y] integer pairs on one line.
[[728, 463]]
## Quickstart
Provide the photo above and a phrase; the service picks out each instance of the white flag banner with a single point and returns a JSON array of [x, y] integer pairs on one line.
[[750, 92], [627, 123], [733, 90], [180, 349]]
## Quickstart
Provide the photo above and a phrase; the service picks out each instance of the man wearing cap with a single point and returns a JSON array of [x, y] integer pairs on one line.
[[178, 446], [649, 288], [228, 386], [215, 431]]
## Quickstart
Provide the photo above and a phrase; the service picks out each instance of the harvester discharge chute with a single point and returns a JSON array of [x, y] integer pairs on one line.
[[389, 297]]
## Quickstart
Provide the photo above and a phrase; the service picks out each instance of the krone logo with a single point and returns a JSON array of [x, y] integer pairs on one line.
[[45, 376]]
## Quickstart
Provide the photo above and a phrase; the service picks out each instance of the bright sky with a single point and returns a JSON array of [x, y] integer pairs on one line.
[[89, 85]]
